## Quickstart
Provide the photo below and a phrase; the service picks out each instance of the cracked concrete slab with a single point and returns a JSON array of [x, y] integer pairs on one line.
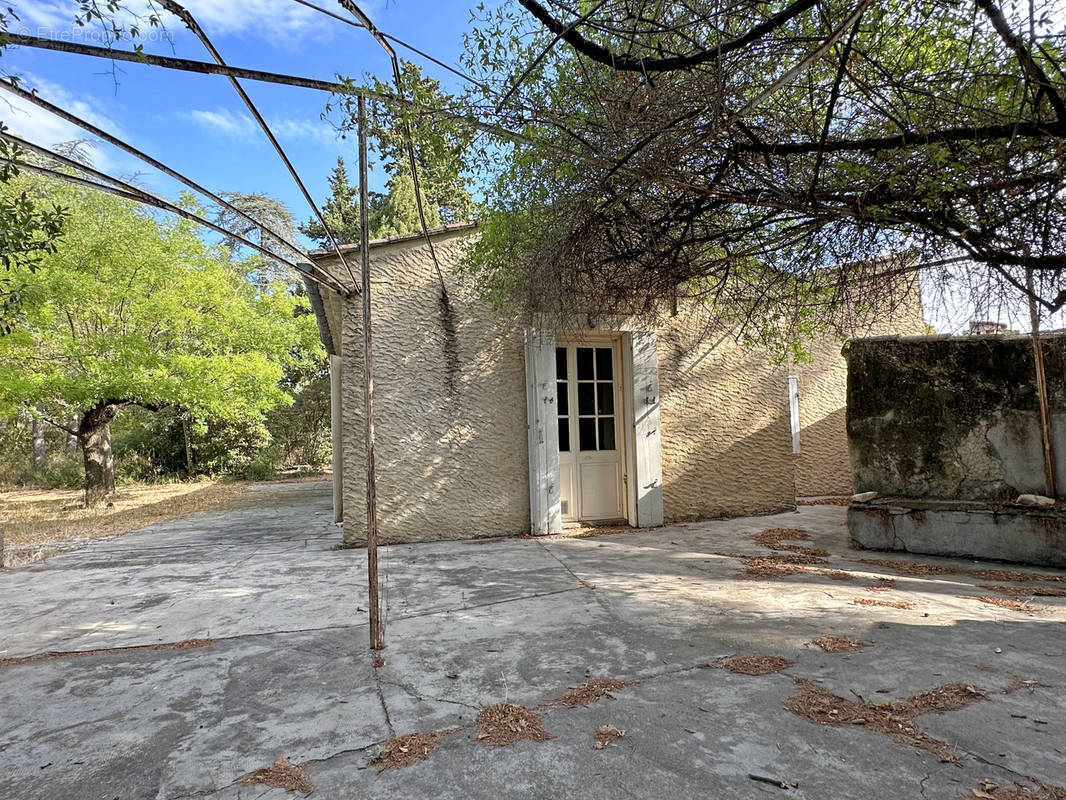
[[517, 620]]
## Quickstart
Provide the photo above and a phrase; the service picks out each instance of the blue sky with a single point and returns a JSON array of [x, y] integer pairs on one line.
[[196, 123]]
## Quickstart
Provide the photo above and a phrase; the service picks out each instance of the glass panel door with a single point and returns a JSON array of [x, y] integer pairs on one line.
[[590, 463]]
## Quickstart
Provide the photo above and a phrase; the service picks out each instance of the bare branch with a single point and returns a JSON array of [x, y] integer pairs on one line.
[[645, 65]]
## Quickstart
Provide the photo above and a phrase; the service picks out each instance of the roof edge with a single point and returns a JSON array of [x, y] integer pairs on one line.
[[407, 237]]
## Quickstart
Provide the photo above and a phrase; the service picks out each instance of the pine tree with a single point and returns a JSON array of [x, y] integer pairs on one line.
[[341, 211]]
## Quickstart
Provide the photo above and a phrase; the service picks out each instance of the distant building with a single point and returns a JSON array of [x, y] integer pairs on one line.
[[980, 327]]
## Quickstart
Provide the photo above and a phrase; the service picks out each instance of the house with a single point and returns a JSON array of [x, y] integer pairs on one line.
[[488, 425]]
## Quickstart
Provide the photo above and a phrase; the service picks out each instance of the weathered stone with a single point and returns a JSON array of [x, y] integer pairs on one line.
[[863, 497], [1035, 500], [943, 417], [963, 528]]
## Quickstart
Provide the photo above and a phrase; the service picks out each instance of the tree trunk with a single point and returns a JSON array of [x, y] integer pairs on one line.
[[37, 431], [71, 443], [94, 434], [188, 445]]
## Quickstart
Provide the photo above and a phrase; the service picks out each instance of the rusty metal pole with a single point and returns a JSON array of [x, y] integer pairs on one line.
[[1041, 391], [376, 639]]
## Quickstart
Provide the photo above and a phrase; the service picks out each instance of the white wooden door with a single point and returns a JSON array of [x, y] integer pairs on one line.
[[589, 400]]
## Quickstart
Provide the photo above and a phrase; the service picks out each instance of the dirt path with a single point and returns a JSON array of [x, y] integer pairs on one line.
[[39, 523]]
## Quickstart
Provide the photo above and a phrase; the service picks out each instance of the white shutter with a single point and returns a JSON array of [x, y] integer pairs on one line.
[[543, 418], [794, 411], [646, 432]]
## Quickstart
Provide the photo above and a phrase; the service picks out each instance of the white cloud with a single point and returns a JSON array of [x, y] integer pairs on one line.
[[283, 22], [318, 131], [224, 123], [241, 127], [34, 124], [260, 18]]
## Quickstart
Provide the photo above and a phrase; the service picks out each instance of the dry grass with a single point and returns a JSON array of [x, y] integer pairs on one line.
[[52, 655], [506, 723], [778, 566], [773, 537], [895, 720], [1013, 575], [755, 665], [607, 735], [410, 749], [39, 516], [1008, 603], [835, 574], [832, 643], [1016, 791], [1025, 591], [1021, 683], [868, 601], [912, 568], [282, 774], [592, 690]]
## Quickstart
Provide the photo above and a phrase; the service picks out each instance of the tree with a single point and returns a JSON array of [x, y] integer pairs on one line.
[[30, 228], [765, 157], [269, 214], [341, 211], [394, 213], [134, 311], [398, 214], [441, 141]]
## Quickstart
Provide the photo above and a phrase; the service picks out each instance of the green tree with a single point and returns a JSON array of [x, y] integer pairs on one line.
[[132, 311], [270, 214], [441, 139], [441, 143], [398, 215], [30, 228], [341, 211]]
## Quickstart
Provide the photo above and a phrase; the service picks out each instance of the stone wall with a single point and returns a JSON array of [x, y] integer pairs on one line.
[[939, 417]]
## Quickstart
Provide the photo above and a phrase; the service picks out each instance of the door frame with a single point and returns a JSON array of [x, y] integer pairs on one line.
[[629, 465], [623, 415]]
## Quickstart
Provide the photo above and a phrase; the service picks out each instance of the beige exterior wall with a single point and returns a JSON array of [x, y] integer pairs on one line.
[[726, 442], [449, 407], [450, 411], [823, 466]]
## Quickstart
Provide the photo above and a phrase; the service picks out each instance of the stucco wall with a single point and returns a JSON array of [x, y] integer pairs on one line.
[[952, 418], [726, 443], [823, 466], [450, 406], [451, 418]]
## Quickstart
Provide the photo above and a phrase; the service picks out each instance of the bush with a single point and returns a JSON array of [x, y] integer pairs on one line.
[[301, 430], [61, 470], [264, 466]]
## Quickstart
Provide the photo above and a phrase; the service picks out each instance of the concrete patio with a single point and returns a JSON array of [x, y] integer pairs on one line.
[[286, 670]]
